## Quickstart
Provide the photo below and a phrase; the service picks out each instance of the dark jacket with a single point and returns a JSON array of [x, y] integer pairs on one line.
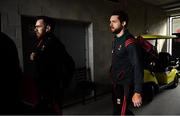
[[11, 76], [126, 62], [50, 61]]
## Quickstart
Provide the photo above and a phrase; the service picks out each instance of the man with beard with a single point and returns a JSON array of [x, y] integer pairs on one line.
[[50, 58], [126, 68]]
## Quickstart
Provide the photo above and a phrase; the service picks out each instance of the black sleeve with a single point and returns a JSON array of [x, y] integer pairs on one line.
[[135, 57]]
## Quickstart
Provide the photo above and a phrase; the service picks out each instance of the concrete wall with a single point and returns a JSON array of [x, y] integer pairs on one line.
[[143, 18]]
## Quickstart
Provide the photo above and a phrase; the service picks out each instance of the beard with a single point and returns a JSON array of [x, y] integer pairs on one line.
[[116, 30], [40, 35]]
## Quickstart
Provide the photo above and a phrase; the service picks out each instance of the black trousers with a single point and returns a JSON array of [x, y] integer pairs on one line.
[[50, 94], [122, 97]]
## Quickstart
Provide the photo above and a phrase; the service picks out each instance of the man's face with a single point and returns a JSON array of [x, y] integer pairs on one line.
[[115, 24], [40, 28]]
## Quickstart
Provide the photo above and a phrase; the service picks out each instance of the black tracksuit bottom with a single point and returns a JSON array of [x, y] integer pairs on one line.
[[122, 97]]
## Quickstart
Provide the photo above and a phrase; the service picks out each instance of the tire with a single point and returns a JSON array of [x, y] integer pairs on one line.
[[175, 82], [149, 92]]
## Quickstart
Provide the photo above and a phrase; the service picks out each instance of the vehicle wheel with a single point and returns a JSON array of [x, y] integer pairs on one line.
[[176, 82], [149, 92]]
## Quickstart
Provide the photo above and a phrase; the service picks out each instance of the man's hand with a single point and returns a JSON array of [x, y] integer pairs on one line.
[[137, 99], [32, 56]]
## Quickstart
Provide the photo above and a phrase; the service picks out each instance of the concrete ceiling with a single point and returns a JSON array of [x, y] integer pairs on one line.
[[170, 6], [161, 2]]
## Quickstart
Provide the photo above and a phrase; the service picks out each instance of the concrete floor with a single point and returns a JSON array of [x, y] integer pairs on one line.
[[165, 103]]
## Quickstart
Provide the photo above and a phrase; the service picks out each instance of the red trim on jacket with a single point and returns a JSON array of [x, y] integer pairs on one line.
[[129, 42]]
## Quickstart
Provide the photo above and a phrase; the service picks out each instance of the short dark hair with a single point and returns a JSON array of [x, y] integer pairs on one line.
[[123, 16], [48, 21]]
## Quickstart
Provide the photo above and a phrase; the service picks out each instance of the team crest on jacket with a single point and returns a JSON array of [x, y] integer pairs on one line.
[[43, 47], [119, 47]]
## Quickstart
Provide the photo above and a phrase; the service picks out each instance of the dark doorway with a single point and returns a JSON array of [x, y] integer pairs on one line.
[[176, 42], [72, 34]]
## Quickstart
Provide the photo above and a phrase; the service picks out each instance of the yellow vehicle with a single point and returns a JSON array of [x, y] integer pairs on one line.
[[161, 72]]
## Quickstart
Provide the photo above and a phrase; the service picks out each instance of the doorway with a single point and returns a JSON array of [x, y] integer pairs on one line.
[[175, 28]]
